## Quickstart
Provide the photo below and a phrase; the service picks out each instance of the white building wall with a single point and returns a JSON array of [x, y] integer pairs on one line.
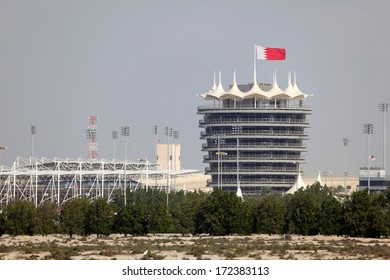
[[168, 154]]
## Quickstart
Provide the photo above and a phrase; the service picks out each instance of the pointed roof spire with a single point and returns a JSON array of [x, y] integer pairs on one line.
[[234, 92], [275, 91], [290, 91], [298, 92], [275, 80], [219, 91], [298, 185], [319, 178], [214, 84]]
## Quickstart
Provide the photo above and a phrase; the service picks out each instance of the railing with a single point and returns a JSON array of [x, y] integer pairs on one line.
[[255, 145], [254, 158], [252, 107], [229, 133], [251, 169], [259, 181], [254, 120]]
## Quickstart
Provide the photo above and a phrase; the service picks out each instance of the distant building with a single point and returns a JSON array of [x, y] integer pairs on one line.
[[168, 157], [378, 180], [254, 136]]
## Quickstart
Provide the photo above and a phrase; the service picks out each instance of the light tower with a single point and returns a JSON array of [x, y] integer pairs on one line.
[[33, 132], [383, 107], [91, 133], [368, 128], [125, 133], [345, 142], [114, 138], [1, 149]]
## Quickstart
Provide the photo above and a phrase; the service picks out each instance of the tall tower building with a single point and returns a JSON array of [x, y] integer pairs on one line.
[[254, 136]]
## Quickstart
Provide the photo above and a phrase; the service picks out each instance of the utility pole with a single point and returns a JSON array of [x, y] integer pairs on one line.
[[368, 128]]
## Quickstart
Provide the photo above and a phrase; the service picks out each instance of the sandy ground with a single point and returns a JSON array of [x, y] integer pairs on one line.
[[173, 247]]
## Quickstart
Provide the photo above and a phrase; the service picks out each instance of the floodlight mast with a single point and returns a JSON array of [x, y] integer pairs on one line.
[[33, 130], [383, 107], [345, 142], [114, 138], [368, 128], [1, 149], [125, 133]]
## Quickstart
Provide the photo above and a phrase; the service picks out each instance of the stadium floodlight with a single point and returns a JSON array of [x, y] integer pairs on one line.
[[33, 130], [345, 143], [368, 128], [114, 138], [383, 107], [1, 149], [125, 132]]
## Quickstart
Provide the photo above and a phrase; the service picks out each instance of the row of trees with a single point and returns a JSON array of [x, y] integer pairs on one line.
[[307, 212]]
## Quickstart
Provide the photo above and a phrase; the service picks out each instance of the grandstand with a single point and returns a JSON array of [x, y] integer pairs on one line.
[[59, 180]]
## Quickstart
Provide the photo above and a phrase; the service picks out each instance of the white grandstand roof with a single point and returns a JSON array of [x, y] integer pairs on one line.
[[291, 92]]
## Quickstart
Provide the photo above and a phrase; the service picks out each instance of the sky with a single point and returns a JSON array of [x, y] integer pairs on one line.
[[143, 63]]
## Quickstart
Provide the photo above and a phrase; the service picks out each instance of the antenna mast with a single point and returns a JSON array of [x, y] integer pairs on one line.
[[91, 133]]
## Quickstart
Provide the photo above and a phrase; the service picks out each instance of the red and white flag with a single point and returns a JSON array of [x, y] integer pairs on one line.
[[372, 157], [264, 53]]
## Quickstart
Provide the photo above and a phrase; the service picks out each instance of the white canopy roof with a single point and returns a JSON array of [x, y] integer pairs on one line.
[[298, 185], [291, 92]]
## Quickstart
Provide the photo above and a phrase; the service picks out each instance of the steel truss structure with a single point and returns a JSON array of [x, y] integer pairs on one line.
[[60, 180]]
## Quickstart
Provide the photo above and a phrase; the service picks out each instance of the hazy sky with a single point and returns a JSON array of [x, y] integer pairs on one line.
[[141, 63]]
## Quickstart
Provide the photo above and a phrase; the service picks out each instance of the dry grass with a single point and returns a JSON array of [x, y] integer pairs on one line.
[[172, 247]]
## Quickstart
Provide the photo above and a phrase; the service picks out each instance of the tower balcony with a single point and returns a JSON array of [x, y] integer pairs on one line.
[[256, 147], [254, 158], [261, 170], [263, 121], [245, 183], [257, 133]]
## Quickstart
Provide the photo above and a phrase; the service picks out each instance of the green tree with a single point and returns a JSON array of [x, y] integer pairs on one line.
[[223, 213], [270, 214], [385, 205], [47, 218], [158, 219], [74, 216], [145, 212], [302, 209], [330, 216], [21, 215], [364, 216], [129, 219], [100, 217], [330, 213], [2, 221], [183, 208]]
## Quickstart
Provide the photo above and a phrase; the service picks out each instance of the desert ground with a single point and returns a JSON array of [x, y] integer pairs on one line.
[[175, 247]]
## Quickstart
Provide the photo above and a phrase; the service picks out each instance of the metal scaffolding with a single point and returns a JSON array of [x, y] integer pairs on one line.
[[62, 179]]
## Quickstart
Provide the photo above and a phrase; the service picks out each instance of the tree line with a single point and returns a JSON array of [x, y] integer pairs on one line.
[[307, 212]]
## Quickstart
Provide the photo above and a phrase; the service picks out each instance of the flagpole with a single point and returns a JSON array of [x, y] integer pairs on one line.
[[254, 64]]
